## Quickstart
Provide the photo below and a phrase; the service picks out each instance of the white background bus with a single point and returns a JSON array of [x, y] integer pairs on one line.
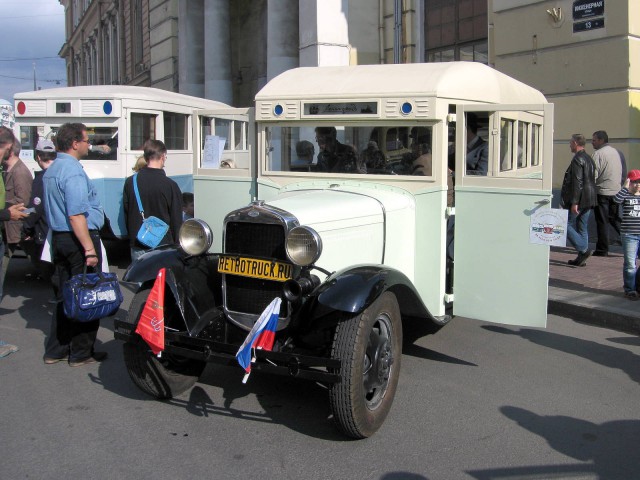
[[123, 117]]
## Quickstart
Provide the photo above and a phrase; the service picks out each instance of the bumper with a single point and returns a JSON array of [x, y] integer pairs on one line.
[[317, 369]]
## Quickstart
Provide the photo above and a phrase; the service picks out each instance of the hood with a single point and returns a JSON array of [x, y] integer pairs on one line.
[[350, 221]]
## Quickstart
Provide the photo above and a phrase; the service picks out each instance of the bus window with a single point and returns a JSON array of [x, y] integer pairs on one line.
[[347, 149], [506, 144], [223, 129], [29, 137], [103, 136], [175, 131], [143, 128]]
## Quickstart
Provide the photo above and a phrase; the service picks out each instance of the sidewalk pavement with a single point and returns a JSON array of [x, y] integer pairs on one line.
[[592, 294]]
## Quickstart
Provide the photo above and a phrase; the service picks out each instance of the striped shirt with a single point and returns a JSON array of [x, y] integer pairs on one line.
[[630, 212]]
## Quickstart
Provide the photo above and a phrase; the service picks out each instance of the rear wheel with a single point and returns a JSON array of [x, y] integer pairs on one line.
[[163, 377], [369, 347]]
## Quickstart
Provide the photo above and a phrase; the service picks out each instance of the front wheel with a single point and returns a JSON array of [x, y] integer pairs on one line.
[[163, 377], [369, 347]]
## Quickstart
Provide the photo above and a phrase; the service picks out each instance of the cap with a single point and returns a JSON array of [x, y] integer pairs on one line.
[[45, 146], [634, 175]]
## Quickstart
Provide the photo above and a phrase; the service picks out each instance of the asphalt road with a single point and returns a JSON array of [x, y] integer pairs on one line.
[[475, 401]]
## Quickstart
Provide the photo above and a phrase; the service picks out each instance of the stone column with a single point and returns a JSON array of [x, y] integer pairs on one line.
[[217, 51], [324, 33], [282, 36], [191, 47]]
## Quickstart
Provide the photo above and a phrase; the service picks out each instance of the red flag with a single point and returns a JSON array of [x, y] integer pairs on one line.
[[151, 324]]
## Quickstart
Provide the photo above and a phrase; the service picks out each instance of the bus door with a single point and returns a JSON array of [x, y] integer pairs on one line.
[[224, 170], [499, 275]]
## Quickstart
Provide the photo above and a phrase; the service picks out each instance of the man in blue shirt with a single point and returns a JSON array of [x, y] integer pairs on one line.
[[74, 215]]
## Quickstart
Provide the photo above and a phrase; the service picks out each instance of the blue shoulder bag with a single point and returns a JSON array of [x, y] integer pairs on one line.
[[152, 230]]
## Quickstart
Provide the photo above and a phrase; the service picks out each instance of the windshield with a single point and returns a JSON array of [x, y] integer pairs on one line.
[[395, 150]]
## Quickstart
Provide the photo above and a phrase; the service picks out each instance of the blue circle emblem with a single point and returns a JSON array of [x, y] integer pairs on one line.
[[406, 108], [107, 108], [278, 110]]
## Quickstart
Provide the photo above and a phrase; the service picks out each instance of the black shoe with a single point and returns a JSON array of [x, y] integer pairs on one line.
[[574, 262], [581, 261], [600, 253], [96, 357]]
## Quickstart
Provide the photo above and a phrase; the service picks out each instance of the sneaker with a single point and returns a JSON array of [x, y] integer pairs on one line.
[[7, 348], [52, 360], [96, 357], [600, 253], [631, 295]]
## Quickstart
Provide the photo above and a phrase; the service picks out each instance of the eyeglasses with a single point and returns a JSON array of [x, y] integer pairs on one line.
[[83, 140]]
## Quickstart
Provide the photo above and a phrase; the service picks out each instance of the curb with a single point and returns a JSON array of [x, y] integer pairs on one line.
[[596, 309]]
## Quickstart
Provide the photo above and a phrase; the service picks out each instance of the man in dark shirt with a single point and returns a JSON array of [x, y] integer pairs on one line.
[[579, 197], [160, 197]]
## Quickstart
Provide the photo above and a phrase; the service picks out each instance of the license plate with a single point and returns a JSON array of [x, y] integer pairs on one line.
[[255, 268]]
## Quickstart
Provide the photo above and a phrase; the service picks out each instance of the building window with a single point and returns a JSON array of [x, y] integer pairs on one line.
[[456, 30], [138, 38], [115, 52]]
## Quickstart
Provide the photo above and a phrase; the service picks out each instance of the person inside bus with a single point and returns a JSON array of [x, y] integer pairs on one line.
[[305, 153], [336, 157], [372, 157], [477, 148]]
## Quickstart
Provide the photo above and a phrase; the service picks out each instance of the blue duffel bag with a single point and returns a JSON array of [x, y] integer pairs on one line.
[[91, 296]]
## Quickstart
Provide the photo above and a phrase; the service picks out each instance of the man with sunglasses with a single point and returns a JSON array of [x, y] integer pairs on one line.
[[75, 216]]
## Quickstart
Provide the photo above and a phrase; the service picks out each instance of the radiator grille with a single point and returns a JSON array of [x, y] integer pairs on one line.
[[255, 240], [250, 295]]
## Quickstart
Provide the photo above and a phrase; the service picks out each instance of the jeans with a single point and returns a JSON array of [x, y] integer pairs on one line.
[[578, 231], [606, 213], [630, 245]]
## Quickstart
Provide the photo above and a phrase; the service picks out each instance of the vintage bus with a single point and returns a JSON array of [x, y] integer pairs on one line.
[[123, 118], [372, 209]]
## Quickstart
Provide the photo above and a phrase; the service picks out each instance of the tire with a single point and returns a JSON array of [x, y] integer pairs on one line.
[[369, 347], [161, 378]]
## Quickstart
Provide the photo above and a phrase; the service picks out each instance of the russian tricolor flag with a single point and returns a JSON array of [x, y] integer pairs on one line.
[[261, 336]]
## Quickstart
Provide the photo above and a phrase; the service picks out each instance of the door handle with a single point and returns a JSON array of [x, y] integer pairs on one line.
[[546, 201]]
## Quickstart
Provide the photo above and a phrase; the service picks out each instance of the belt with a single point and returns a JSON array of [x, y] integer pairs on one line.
[[54, 233]]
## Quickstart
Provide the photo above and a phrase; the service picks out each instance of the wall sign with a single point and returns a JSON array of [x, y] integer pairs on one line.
[[587, 9], [588, 25]]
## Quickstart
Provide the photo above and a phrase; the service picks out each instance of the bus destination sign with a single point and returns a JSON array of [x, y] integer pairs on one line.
[[341, 108]]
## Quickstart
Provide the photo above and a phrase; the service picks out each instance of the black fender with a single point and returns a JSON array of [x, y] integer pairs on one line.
[[353, 289], [146, 267], [193, 282]]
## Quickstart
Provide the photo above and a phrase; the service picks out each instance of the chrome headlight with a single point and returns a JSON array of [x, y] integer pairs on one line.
[[304, 246], [195, 237]]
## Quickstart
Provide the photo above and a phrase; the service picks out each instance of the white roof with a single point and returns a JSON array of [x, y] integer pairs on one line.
[[118, 91], [467, 81]]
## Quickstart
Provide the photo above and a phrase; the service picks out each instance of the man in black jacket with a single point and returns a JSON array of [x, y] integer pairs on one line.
[[579, 197], [160, 197]]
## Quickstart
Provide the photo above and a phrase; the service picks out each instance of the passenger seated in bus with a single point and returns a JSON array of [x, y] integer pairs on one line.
[[477, 148], [335, 157], [305, 152], [372, 157], [423, 165]]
